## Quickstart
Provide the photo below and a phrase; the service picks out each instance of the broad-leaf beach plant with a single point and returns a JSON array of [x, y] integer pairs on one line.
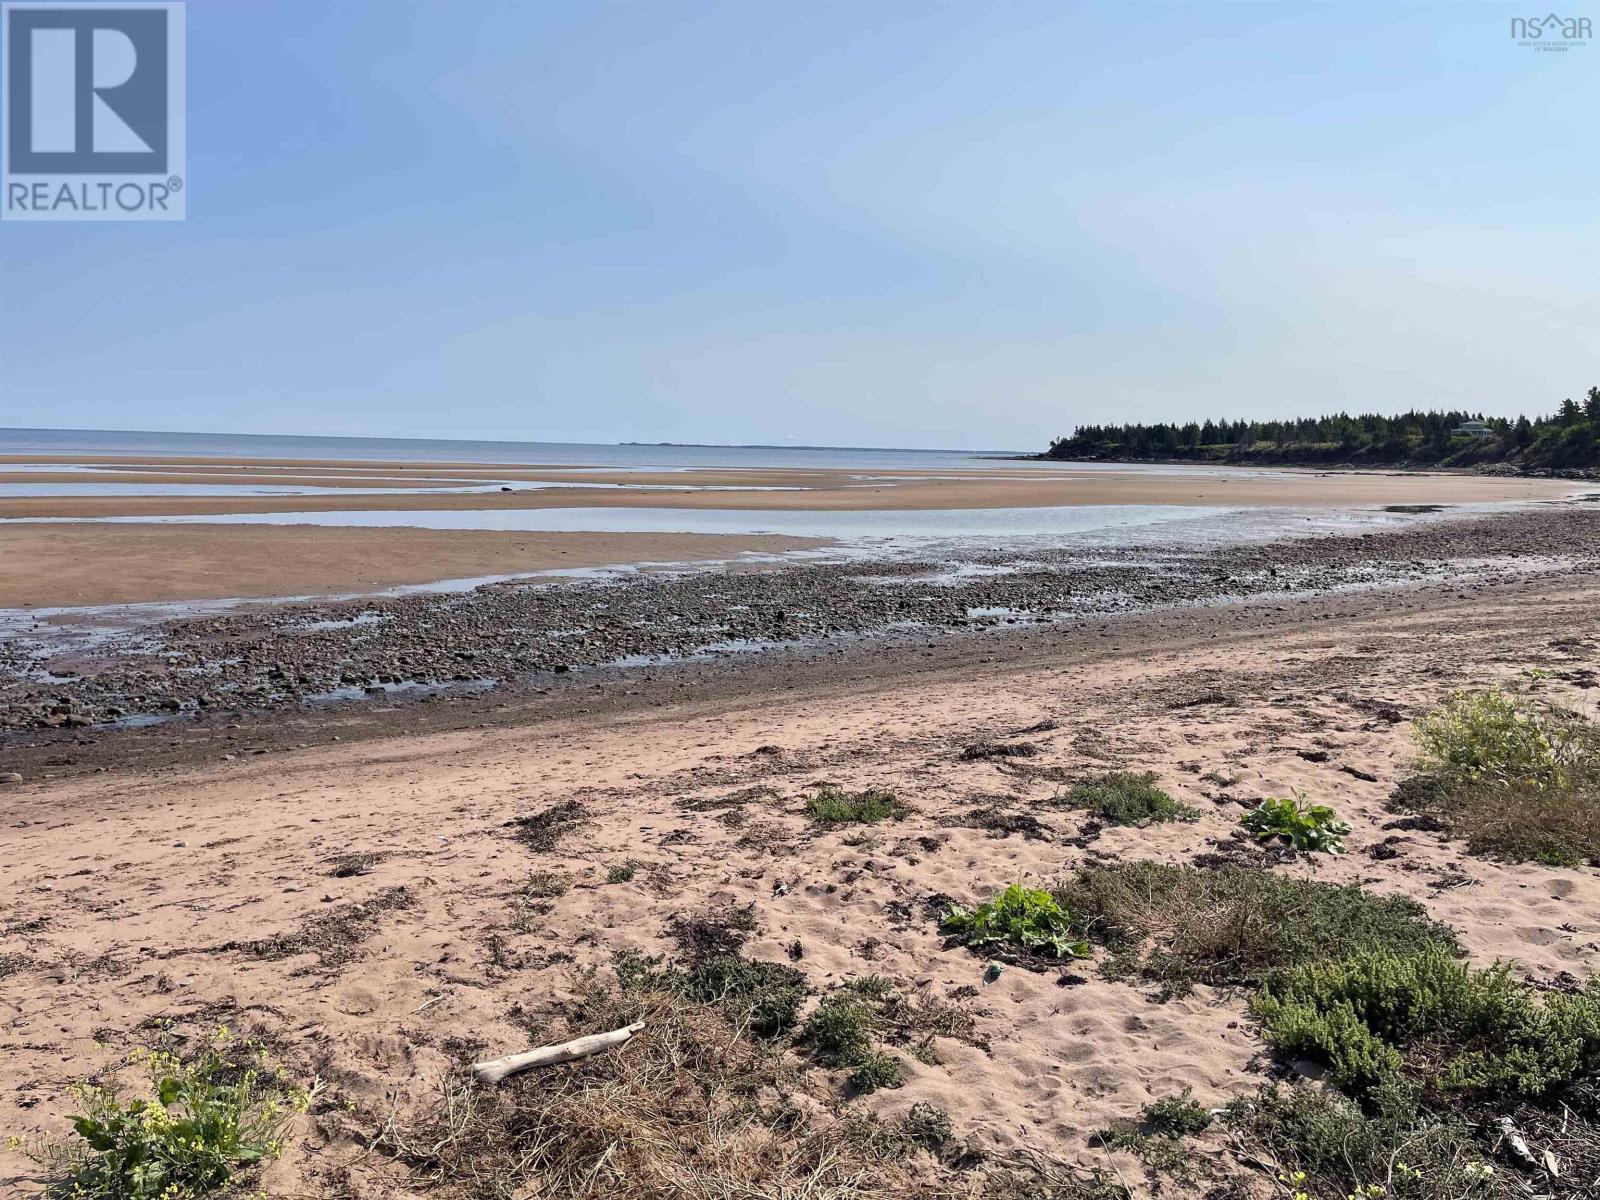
[[1309, 828], [206, 1122], [1022, 918]]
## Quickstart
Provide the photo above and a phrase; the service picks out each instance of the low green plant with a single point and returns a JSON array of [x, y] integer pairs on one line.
[[1517, 780], [1495, 737], [1176, 1116], [545, 885], [830, 805], [1124, 798], [928, 1125], [1425, 1019], [840, 1034], [1178, 926], [874, 987], [1309, 828], [1326, 1147], [761, 997], [620, 874], [206, 1122], [1157, 1137], [876, 1070], [840, 1030], [1019, 918]]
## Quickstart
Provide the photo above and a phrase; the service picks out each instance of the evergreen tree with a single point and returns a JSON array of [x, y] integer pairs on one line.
[[1569, 438]]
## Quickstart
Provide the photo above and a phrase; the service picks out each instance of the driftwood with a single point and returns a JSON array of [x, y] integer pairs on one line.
[[549, 1056]]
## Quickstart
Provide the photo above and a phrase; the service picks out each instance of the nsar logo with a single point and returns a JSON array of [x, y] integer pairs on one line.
[[1551, 32], [92, 112]]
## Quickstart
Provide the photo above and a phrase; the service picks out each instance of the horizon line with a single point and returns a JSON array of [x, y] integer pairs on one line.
[[362, 437]]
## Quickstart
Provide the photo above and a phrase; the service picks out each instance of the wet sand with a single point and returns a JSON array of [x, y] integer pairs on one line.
[[74, 565], [98, 668], [135, 894], [995, 485]]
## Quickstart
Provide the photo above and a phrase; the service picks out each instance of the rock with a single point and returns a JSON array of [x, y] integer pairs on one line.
[[10, 777]]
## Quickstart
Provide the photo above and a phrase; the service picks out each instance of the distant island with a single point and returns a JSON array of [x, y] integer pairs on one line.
[[1569, 440]]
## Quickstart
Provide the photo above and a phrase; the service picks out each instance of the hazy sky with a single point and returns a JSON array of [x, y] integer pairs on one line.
[[880, 223]]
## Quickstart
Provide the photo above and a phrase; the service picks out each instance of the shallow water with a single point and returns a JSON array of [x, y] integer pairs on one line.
[[844, 525], [963, 530], [228, 489], [267, 488]]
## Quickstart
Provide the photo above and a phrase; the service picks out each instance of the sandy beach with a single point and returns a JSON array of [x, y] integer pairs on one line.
[[137, 895], [269, 795], [83, 564], [799, 602]]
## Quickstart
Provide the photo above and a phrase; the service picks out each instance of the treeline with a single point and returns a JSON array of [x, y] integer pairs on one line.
[[1566, 440]]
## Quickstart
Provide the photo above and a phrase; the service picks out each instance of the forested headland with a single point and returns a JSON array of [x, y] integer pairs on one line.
[[1569, 439]]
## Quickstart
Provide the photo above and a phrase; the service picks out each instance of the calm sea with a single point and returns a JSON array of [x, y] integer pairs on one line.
[[249, 445]]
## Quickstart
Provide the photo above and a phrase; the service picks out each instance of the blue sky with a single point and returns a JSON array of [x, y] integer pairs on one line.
[[879, 223]]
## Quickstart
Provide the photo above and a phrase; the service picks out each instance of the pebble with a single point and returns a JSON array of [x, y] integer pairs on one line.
[[263, 658]]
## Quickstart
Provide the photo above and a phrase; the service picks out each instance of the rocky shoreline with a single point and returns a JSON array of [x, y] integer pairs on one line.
[[261, 658]]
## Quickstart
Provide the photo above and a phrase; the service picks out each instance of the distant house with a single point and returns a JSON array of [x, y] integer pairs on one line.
[[1473, 429]]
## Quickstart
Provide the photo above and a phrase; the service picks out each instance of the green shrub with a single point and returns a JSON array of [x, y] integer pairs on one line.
[[840, 1030], [762, 997], [620, 874], [1327, 1147], [1176, 1116], [830, 805], [1308, 828], [1157, 1137], [1177, 926], [1424, 1018], [874, 987], [1518, 781], [1123, 798], [928, 1125], [840, 1034], [1496, 737], [876, 1070], [1027, 919], [206, 1123], [1515, 822]]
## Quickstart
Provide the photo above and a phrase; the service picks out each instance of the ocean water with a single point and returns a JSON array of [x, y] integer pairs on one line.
[[651, 457], [578, 455]]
